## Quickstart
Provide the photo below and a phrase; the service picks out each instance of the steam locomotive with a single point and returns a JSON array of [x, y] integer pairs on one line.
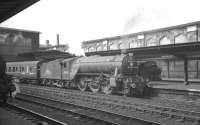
[[108, 74]]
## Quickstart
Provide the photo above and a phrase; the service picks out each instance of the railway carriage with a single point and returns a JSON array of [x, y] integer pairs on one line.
[[25, 71]]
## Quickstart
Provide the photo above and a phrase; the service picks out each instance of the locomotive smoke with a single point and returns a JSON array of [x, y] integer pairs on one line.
[[146, 19], [131, 25], [133, 22]]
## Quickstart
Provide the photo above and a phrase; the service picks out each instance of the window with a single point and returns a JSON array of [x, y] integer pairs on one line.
[[65, 65], [136, 43], [9, 69], [164, 41], [30, 69], [181, 39], [113, 46], [191, 28], [22, 69], [105, 44], [13, 69], [131, 44], [123, 46], [91, 49], [105, 47], [86, 49], [99, 48], [140, 36]]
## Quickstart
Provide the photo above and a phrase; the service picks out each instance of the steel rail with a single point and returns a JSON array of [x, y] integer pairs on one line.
[[33, 113]]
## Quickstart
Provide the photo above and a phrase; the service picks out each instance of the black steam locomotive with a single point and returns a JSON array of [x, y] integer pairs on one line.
[[107, 74]]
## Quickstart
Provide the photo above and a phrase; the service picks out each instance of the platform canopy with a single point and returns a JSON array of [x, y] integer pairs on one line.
[[9, 8], [46, 55]]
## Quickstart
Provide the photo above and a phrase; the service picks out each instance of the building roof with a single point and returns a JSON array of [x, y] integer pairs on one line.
[[9, 8], [17, 58], [143, 32], [19, 30], [46, 55]]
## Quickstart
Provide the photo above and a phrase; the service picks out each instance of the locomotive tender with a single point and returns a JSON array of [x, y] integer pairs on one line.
[[119, 73]]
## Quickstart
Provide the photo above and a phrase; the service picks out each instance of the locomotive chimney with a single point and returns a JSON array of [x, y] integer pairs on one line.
[[58, 40], [47, 42]]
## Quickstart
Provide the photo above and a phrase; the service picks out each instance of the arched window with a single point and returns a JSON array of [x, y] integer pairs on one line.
[[122, 46], [181, 39], [165, 41], [132, 44], [86, 49], [99, 48], [113, 46], [91, 49], [105, 45], [136, 44]]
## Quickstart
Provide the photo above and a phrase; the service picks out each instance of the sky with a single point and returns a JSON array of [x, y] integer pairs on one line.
[[81, 20]]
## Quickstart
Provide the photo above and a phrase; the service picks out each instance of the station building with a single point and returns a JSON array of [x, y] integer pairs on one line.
[[16, 41], [176, 49]]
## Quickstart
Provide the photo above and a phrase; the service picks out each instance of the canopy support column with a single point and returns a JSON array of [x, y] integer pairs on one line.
[[186, 72]]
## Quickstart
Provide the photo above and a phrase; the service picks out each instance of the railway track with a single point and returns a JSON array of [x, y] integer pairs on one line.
[[51, 91], [101, 117], [161, 111], [68, 116], [34, 117]]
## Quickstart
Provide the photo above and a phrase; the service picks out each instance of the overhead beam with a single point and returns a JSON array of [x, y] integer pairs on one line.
[[18, 6]]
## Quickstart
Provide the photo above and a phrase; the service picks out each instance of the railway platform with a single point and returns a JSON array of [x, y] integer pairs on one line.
[[179, 86], [176, 90], [10, 118]]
